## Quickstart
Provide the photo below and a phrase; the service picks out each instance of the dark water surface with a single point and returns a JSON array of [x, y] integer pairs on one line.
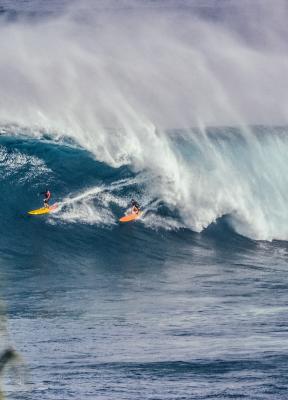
[[112, 311]]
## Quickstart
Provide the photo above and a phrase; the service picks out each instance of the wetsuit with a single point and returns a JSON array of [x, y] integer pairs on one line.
[[135, 207], [47, 195]]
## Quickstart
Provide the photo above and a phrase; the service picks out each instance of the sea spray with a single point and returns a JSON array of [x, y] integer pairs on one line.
[[140, 86]]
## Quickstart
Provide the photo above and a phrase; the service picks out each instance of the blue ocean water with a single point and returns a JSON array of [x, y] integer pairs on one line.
[[189, 301], [102, 310]]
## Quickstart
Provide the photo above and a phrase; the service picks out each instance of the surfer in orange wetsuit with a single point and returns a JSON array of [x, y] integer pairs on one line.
[[135, 207], [47, 196]]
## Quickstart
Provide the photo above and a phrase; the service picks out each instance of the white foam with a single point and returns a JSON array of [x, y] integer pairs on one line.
[[115, 79], [93, 205], [14, 161]]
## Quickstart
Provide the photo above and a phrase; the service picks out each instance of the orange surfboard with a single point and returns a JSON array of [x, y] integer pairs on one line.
[[130, 217]]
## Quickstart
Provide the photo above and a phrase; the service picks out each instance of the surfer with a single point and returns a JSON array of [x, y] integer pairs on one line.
[[47, 196], [135, 207]]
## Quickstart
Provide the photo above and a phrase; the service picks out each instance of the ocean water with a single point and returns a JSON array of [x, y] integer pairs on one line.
[[189, 301]]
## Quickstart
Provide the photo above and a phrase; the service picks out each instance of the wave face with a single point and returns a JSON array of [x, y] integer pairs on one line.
[[189, 179], [127, 82]]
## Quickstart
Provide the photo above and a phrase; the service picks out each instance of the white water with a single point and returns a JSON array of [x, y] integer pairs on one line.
[[115, 78]]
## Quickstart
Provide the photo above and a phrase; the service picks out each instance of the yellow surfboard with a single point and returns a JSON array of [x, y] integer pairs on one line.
[[43, 210], [130, 217]]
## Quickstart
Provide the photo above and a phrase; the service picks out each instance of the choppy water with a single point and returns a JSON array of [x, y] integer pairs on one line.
[[103, 310]]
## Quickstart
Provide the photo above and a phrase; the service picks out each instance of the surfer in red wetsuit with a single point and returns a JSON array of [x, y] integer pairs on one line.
[[135, 207], [47, 196]]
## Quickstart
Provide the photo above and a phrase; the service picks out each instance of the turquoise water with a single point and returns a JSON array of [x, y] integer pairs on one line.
[[102, 310]]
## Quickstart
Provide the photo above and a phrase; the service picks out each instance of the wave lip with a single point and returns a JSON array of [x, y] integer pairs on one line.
[[200, 177]]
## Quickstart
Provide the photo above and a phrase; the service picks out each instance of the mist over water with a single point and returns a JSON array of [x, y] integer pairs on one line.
[[140, 83], [97, 66]]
